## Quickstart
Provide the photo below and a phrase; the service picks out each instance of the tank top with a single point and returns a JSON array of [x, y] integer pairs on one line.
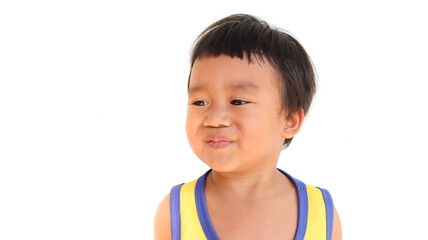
[[190, 219]]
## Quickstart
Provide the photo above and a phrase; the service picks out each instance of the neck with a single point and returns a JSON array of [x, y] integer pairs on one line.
[[251, 185]]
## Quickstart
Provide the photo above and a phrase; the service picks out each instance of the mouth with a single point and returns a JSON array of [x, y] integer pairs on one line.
[[219, 144]]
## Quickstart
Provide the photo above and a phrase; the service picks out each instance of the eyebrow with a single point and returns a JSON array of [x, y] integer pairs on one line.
[[246, 86], [196, 88]]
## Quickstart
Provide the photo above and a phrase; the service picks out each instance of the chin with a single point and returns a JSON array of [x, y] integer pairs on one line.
[[221, 165]]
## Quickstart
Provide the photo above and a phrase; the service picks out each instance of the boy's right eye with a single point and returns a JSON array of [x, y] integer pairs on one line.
[[200, 103]]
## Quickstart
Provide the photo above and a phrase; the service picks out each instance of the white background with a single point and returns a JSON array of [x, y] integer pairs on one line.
[[93, 103]]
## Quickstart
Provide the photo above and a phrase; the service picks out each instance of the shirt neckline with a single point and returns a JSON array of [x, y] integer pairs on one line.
[[205, 220]]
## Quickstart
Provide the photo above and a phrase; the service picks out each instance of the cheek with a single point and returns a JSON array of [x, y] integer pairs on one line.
[[250, 127], [192, 126], [189, 126], [253, 118], [259, 128]]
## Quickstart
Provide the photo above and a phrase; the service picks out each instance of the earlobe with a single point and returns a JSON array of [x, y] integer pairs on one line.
[[293, 124]]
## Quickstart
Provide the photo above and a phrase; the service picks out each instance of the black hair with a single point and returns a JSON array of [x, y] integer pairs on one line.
[[242, 35]]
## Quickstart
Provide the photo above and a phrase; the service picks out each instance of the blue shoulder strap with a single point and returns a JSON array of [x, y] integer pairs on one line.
[[302, 196], [174, 205], [201, 207], [329, 210]]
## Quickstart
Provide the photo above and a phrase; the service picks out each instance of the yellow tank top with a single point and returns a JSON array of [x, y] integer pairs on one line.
[[190, 220]]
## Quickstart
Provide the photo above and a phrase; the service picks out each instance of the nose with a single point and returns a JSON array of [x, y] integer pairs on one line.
[[217, 116]]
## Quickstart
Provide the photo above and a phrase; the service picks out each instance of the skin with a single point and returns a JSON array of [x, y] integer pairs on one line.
[[234, 125]]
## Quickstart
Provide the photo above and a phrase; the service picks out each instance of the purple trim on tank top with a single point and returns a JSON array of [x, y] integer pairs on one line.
[[329, 210], [206, 222], [302, 196], [201, 207], [174, 205]]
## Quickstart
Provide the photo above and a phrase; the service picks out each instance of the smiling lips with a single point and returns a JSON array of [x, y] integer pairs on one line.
[[218, 142]]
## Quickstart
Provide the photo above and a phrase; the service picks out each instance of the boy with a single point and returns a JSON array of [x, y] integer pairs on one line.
[[248, 91]]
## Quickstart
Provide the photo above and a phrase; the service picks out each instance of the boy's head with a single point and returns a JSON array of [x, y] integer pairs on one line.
[[245, 36]]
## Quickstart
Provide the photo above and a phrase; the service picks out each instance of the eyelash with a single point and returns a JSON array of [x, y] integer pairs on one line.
[[239, 100], [198, 103], [203, 103]]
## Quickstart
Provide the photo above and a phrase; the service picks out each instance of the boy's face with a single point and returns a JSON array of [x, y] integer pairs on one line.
[[233, 121]]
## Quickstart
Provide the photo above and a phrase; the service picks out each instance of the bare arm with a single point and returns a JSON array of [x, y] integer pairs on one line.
[[337, 227], [162, 225]]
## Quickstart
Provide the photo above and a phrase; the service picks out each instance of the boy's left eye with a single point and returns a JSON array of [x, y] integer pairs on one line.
[[238, 102], [200, 103]]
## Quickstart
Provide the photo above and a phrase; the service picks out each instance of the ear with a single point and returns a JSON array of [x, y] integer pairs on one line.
[[293, 124]]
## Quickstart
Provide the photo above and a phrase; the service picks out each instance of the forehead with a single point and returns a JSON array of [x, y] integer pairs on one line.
[[232, 73]]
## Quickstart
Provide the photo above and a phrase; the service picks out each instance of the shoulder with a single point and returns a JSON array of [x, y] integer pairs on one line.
[[327, 199], [337, 227], [336, 230], [162, 223], [318, 197]]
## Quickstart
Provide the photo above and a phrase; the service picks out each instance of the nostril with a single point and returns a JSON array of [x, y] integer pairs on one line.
[[217, 115], [217, 121]]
